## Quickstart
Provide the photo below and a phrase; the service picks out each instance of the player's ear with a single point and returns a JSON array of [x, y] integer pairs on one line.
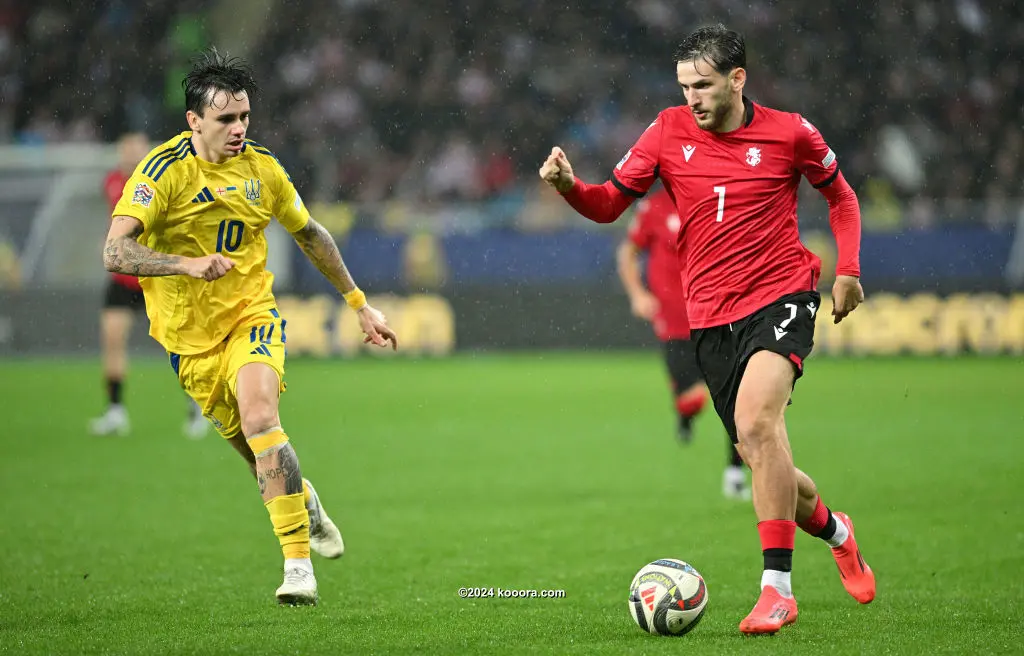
[[738, 78], [193, 121]]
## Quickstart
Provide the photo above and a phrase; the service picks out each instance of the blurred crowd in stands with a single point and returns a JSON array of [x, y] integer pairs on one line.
[[431, 100]]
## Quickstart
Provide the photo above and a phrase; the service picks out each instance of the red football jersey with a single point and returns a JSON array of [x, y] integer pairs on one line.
[[736, 193], [113, 186], [654, 230]]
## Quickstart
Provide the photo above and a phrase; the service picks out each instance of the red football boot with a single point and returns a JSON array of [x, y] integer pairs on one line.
[[771, 612], [858, 579]]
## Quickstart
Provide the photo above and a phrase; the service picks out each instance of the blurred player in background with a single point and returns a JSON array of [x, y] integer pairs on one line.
[[122, 300], [191, 224], [733, 169], [653, 232]]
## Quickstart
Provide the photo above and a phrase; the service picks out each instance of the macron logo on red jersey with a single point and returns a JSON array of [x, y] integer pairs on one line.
[[688, 151]]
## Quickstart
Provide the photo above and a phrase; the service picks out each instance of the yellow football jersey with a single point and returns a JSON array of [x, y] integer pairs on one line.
[[193, 208]]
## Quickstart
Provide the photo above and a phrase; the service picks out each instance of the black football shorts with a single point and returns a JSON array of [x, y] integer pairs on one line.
[[119, 296], [785, 327], [681, 362]]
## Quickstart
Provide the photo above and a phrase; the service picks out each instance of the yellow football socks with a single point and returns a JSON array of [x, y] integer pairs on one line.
[[291, 524]]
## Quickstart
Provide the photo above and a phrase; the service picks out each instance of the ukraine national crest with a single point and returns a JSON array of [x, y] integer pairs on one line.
[[252, 190], [754, 156]]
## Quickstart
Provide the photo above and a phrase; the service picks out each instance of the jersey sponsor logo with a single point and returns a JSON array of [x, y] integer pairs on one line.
[[688, 151], [143, 195], [252, 190], [831, 157], [754, 156], [618, 167]]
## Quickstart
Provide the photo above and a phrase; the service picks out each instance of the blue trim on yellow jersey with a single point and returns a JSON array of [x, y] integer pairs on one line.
[[183, 155], [263, 150], [175, 362], [155, 159]]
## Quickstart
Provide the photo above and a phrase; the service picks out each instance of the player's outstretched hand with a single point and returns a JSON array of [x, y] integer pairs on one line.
[[847, 294], [643, 305], [376, 329], [557, 171], [208, 267]]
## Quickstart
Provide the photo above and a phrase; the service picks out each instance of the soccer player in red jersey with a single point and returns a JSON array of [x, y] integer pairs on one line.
[[732, 168], [122, 299], [661, 301]]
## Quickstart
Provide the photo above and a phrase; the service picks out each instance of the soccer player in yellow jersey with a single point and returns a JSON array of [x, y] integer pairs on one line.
[[190, 224]]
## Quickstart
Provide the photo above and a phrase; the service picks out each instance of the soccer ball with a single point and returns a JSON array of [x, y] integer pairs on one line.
[[667, 597]]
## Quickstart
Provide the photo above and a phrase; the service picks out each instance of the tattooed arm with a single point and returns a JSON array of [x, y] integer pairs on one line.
[[319, 247], [124, 254]]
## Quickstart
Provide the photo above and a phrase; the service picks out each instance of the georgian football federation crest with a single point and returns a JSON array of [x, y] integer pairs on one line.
[[252, 191], [754, 156]]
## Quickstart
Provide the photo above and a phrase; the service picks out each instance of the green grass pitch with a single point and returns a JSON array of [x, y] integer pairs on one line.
[[525, 471]]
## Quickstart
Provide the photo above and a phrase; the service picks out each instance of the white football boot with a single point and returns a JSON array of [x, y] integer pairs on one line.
[[324, 536], [299, 587], [113, 422]]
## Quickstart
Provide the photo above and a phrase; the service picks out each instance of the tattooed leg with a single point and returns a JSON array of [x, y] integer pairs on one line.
[[277, 466], [277, 472]]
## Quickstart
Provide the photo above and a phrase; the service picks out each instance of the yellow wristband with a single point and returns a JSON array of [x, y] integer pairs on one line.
[[356, 299]]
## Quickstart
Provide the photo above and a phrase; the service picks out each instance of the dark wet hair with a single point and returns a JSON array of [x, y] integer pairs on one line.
[[212, 72], [721, 47]]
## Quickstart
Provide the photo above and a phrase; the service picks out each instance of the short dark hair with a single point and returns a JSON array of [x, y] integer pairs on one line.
[[721, 47], [212, 72]]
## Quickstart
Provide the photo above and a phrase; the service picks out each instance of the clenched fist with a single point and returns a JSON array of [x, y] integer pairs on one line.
[[557, 171], [208, 267]]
